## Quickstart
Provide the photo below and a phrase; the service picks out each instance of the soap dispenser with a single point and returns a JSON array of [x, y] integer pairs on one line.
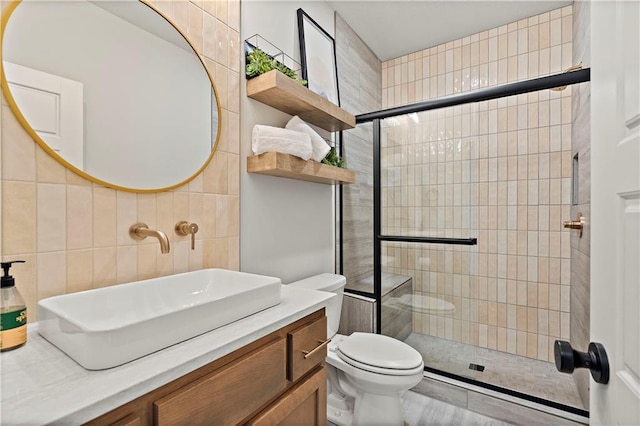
[[13, 312]]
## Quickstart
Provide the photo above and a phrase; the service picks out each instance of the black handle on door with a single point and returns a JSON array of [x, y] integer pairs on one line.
[[596, 360]]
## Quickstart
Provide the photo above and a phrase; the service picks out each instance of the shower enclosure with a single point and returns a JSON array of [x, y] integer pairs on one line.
[[464, 253]]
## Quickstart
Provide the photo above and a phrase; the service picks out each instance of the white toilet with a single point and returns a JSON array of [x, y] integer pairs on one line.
[[368, 373]]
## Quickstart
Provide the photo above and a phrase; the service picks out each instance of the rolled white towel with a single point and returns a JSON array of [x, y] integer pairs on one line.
[[270, 139], [320, 146]]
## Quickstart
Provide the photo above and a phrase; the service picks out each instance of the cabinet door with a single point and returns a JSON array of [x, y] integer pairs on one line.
[[305, 404], [229, 394]]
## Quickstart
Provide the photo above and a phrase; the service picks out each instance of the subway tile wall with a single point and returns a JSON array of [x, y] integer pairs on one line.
[[74, 234], [498, 170]]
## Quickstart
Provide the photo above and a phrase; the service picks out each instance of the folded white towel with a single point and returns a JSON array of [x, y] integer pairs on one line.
[[320, 147], [270, 139]]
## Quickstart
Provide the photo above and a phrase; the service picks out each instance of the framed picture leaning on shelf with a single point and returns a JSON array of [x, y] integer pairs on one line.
[[318, 58]]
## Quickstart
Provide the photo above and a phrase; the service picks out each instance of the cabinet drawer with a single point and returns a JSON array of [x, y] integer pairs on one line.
[[130, 420], [230, 394], [307, 347]]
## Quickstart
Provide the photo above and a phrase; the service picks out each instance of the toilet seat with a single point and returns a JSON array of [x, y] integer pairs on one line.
[[380, 354]]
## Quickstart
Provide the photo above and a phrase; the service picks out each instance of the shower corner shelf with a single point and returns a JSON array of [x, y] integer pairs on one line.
[[288, 166], [281, 92]]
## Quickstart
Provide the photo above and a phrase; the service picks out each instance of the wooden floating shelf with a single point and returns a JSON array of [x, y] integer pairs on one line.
[[288, 166], [281, 92]]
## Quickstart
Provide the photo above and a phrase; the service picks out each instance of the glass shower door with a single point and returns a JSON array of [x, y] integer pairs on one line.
[[428, 179]]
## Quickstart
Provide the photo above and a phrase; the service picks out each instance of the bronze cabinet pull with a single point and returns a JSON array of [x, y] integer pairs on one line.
[[322, 344]]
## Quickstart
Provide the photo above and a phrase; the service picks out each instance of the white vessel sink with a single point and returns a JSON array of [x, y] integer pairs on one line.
[[110, 326]]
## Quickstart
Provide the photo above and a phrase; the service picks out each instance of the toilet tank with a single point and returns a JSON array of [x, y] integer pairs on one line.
[[332, 283]]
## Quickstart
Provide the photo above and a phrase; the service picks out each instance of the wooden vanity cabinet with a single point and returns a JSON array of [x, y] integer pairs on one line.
[[279, 379]]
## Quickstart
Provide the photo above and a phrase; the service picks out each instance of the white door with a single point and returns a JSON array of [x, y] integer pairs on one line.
[[52, 105], [615, 207]]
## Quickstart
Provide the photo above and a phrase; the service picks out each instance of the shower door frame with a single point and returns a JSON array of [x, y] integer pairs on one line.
[[486, 94]]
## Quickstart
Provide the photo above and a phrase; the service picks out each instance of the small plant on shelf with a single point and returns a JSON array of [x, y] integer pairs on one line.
[[259, 62], [332, 159]]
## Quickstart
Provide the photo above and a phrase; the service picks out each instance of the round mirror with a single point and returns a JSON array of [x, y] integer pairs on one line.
[[111, 89]]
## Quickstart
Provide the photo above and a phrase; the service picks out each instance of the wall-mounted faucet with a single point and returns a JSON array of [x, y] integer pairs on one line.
[[140, 231], [184, 228]]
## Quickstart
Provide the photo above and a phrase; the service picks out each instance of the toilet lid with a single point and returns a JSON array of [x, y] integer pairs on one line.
[[367, 350]]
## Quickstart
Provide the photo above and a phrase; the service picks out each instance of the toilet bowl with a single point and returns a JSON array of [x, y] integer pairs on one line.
[[367, 373]]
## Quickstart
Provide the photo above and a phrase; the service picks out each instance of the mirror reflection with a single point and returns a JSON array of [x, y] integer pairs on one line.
[[112, 89]]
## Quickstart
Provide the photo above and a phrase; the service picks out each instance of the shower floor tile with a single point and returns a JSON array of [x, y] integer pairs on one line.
[[521, 374]]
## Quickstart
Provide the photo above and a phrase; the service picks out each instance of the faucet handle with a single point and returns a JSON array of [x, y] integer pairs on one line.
[[184, 228]]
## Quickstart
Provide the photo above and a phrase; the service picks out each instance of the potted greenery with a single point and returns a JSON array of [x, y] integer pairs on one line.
[[332, 159], [259, 62]]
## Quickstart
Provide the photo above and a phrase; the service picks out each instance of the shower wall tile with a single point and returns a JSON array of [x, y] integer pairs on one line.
[[499, 170], [362, 77], [580, 247], [74, 233]]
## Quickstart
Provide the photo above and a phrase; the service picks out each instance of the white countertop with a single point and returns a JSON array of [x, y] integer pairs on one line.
[[41, 385]]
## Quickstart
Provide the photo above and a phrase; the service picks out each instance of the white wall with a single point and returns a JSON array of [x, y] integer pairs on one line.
[[124, 94], [286, 226]]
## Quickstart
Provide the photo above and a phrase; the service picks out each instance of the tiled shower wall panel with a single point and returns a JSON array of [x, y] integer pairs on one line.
[[74, 233], [360, 79], [581, 147], [499, 170]]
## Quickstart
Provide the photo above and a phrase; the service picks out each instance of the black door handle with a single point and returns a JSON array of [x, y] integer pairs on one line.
[[595, 360]]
